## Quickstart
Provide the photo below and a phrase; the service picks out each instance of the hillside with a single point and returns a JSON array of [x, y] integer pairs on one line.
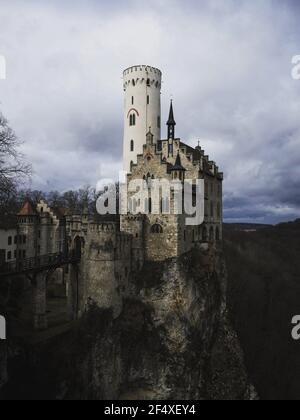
[[263, 296]]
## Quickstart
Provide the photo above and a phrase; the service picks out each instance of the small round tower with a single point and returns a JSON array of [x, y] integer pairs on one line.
[[142, 109]]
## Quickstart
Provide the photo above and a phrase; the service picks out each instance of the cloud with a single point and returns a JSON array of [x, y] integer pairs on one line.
[[227, 65]]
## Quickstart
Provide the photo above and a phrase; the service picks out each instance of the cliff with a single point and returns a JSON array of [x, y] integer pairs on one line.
[[172, 340]]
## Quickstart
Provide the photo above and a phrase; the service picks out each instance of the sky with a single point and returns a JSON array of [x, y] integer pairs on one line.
[[227, 64]]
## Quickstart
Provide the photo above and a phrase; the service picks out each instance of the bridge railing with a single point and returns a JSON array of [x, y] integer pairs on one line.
[[38, 263]]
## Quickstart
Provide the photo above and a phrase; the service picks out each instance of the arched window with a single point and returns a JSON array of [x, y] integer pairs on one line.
[[132, 146], [133, 82], [148, 82], [132, 119], [211, 234], [132, 100], [157, 229]]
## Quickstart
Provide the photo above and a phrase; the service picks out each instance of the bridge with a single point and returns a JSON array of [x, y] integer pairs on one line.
[[39, 270], [38, 264]]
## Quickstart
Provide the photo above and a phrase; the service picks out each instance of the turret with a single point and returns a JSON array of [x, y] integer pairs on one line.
[[142, 109], [178, 171]]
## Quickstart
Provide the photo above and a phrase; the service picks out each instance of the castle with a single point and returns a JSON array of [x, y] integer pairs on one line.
[[113, 251]]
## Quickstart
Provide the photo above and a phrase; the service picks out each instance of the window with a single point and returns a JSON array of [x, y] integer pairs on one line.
[[16, 240], [9, 256], [148, 99], [132, 119], [24, 239], [157, 229], [212, 209], [24, 254], [217, 234], [132, 100], [132, 146], [15, 254], [9, 240], [158, 122], [148, 82], [211, 234]]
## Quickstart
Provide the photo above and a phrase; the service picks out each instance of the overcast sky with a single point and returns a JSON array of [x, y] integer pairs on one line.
[[226, 63]]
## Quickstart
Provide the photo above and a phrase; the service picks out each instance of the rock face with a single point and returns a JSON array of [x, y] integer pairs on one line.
[[171, 341]]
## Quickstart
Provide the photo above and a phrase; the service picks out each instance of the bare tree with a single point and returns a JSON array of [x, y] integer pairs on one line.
[[12, 165]]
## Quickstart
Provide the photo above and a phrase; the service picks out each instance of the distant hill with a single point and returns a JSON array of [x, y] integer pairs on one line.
[[263, 296], [244, 226]]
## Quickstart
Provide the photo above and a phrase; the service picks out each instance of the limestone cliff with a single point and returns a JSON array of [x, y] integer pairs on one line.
[[171, 341]]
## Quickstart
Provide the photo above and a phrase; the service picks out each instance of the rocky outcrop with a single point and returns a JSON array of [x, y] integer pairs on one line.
[[171, 341]]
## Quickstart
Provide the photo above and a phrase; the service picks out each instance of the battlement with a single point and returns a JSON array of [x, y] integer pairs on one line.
[[103, 227], [137, 75], [142, 68]]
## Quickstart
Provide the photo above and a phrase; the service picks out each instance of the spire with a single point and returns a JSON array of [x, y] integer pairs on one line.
[[178, 165], [171, 123]]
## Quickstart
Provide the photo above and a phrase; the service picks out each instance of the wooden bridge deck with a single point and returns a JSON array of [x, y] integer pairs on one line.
[[38, 264]]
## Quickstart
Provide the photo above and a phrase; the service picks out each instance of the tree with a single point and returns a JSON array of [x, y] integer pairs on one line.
[[13, 168]]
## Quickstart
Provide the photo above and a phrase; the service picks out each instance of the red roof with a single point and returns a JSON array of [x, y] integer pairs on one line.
[[27, 210]]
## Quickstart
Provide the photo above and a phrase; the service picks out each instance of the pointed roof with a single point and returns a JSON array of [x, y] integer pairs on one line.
[[27, 209], [178, 166], [171, 120]]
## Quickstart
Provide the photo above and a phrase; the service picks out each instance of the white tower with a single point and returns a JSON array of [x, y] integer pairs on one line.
[[142, 87]]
